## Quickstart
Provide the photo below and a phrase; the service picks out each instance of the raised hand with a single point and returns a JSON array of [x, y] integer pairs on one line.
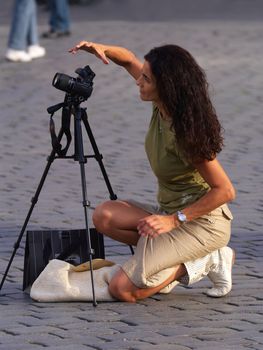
[[96, 49]]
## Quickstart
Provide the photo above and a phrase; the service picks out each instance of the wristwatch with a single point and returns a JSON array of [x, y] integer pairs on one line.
[[181, 217]]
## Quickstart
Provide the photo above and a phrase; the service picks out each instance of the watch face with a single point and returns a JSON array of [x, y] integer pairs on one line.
[[181, 217]]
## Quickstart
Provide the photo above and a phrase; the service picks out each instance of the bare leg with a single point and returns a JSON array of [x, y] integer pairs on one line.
[[118, 220], [122, 288]]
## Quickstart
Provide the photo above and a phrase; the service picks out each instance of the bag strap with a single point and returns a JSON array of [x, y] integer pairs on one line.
[[65, 127]]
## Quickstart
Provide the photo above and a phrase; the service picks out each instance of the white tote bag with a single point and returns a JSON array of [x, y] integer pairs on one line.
[[61, 281]]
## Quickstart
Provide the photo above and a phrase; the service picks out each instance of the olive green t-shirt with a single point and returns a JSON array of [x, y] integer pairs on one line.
[[180, 184]]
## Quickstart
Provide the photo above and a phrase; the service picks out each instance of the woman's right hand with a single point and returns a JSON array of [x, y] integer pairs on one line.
[[96, 49]]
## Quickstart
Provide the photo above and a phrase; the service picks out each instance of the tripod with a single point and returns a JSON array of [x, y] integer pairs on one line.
[[70, 106]]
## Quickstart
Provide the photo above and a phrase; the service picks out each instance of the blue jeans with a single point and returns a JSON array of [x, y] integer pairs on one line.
[[59, 15], [23, 30]]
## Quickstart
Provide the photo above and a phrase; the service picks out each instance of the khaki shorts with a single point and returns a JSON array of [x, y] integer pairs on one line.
[[155, 258]]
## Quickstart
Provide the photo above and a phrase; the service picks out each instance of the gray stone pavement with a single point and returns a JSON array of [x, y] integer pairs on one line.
[[227, 41]]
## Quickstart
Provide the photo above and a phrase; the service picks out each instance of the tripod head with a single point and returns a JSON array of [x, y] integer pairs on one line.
[[77, 90]]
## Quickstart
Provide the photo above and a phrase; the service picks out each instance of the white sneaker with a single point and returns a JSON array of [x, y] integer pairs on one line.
[[17, 56], [221, 276], [36, 51]]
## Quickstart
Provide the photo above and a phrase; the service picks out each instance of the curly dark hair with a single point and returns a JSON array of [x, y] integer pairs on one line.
[[183, 90]]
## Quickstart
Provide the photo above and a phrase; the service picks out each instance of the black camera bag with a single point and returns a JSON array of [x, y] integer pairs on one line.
[[67, 245]]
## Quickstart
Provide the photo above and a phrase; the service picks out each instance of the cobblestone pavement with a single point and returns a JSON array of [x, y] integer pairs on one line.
[[231, 52]]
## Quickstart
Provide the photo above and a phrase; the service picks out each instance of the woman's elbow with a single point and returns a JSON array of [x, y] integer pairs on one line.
[[230, 193]]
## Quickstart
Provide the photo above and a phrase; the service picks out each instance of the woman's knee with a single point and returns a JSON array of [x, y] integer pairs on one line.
[[121, 288], [121, 295], [102, 216]]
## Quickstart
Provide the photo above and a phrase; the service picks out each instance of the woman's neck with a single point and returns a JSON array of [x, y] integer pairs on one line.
[[163, 113]]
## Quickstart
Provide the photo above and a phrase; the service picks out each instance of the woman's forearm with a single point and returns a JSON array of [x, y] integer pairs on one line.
[[222, 190], [119, 55], [210, 201]]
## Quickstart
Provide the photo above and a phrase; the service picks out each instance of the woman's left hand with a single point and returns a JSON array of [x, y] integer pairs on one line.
[[155, 225]]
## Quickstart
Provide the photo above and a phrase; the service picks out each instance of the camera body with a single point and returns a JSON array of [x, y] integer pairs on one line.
[[80, 87]]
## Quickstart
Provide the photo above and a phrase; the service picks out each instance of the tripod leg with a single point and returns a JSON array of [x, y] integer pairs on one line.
[[79, 154], [99, 157], [33, 201]]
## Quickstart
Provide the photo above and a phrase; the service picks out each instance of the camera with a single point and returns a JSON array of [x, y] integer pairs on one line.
[[81, 86]]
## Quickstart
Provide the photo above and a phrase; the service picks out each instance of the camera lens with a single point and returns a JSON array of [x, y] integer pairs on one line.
[[63, 82]]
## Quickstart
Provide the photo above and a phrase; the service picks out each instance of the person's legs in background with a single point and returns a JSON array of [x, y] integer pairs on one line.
[[62, 16], [19, 25], [34, 50], [32, 31], [59, 19], [23, 38]]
